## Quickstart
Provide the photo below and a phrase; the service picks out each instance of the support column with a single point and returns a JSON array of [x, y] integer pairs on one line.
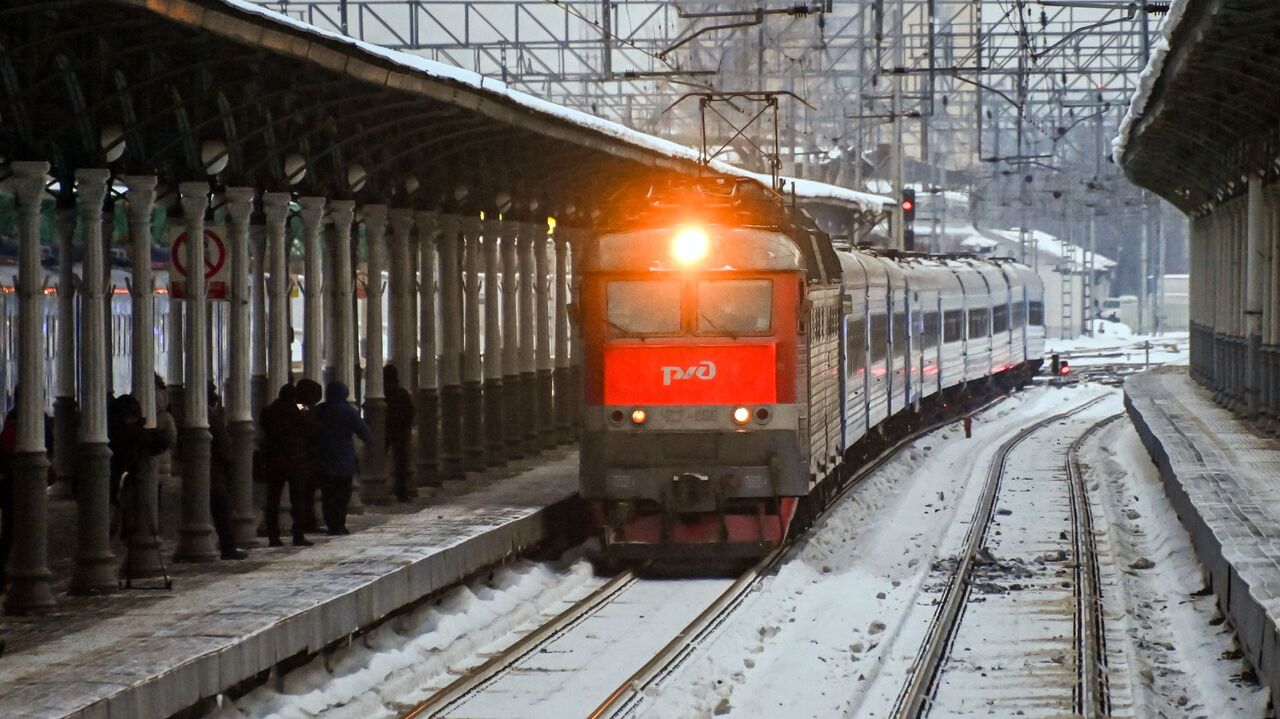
[[276, 207], [196, 542], [512, 392], [400, 322], [312, 214], [494, 444], [143, 557], [1255, 267], [28, 570], [260, 392], [342, 213], [175, 373], [560, 382], [64, 402], [374, 481], [542, 295], [528, 338], [451, 349], [473, 437], [94, 571], [240, 428], [577, 239], [428, 395]]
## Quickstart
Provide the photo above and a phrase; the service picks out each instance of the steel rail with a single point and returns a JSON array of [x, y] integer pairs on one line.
[[1093, 696], [626, 698], [481, 675], [912, 702]]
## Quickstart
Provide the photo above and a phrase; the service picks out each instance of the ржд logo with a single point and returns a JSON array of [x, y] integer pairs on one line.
[[704, 370]]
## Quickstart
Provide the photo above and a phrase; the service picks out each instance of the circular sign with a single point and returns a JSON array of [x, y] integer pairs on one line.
[[215, 253]]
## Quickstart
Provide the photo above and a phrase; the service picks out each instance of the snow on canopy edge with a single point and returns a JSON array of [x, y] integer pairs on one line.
[[808, 189], [1147, 81]]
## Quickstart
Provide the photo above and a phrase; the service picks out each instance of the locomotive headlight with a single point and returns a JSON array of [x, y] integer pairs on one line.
[[690, 245], [638, 416], [741, 415]]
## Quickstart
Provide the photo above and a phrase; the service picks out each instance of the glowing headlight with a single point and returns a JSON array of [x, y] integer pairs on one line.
[[690, 245], [638, 416], [741, 415]]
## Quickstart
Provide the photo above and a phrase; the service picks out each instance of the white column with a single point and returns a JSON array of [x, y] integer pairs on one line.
[[564, 410], [239, 406], [313, 286], [401, 322], [451, 305], [512, 384], [495, 444], [28, 564], [472, 370], [428, 378], [342, 213], [196, 541], [94, 571], [542, 296], [64, 402], [259, 391], [279, 361], [374, 480], [1255, 268], [529, 332]]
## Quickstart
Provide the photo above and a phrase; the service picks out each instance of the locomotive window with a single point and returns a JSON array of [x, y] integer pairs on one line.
[[953, 326], [879, 337], [1035, 316], [856, 345], [644, 307], [978, 323], [930, 330], [1000, 319], [737, 307]]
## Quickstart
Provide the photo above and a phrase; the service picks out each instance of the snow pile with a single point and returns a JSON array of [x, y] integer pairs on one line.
[[1116, 342], [388, 670], [1147, 81]]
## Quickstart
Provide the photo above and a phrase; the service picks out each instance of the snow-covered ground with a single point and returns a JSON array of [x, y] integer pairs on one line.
[[1113, 342]]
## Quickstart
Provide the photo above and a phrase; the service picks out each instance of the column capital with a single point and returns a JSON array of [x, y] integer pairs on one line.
[[240, 204], [375, 215], [194, 197], [91, 185], [142, 195], [471, 225], [401, 219], [493, 226], [312, 209], [450, 223], [30, 182], [342, 212], [26, 169], [427, 222]]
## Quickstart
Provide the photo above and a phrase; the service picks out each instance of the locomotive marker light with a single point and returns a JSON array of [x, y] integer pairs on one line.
[[690, 245], [638, 416], [741, 415]]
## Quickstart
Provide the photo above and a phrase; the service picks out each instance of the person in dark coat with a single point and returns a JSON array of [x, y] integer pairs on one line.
[[284, 450], [130, 442], [338, 423], [309, 393], [399, 430], [220, 478]]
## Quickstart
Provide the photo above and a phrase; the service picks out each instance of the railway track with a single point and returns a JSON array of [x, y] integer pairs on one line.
[[1020, 627], [609, 628]]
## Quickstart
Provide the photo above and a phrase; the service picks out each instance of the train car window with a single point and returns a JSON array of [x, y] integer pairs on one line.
[[1035, 314], [900, 333], [1019, 314], [879, 337], [856, 349], [953, 326], [979, 323], [736, 307], [644, 307], [930, 330], [1000, 319]]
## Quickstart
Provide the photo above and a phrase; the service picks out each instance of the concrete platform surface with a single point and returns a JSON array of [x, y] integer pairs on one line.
[[1223, 478], [150, 653]]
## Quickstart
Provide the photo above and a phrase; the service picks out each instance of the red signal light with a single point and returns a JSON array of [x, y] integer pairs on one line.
[[908, 205], [1064, 369]]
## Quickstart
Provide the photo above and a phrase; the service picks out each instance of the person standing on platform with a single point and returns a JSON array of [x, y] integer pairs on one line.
[[399, 427], [219, 475], [284, 459], [339, 423], [308, 393]]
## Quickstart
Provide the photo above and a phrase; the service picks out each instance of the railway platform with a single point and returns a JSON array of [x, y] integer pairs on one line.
[[1223, 478], [152, 652]]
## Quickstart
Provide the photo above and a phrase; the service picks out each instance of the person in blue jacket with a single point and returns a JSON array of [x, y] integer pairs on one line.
[[338, 424]]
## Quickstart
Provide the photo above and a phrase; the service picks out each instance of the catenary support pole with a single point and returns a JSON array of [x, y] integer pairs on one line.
[[28, 570], [451, 303], [493, 399], [195, 533], [312, 214], [428, 396], [275, 206], [513, 411], [93, 571], [143, 556], [240, 428], [64, 401], [374, 481]]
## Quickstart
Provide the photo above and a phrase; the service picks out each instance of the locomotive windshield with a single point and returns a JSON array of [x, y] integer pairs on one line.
[[734, 307], [724, 307]]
